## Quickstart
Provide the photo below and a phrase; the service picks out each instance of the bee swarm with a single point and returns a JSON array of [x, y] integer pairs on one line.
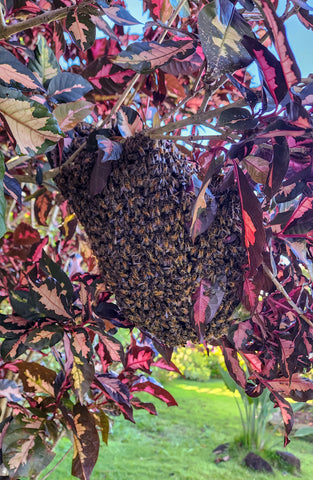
[[137, 229]]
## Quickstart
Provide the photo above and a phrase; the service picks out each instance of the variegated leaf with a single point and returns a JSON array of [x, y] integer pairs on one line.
[[2, 198], [81, 28], [36, 378], [50, 299], [82, 375], [221, 42], [70, 114], [86, 442], [10, 390], [14, 74], [31, 124], [144, 57], [44, 62]]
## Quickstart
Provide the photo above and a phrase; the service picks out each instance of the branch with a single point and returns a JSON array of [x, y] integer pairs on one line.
[[197, 119], [289, 300], [7, 31]]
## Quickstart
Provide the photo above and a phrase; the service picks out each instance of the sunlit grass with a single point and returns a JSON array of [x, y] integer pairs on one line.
[[178, 443]]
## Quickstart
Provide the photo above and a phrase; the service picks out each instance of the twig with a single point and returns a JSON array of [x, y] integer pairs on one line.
[[57, 464], [191, 138], [283, 291], [197, 119], [7, 31], [122, 98]]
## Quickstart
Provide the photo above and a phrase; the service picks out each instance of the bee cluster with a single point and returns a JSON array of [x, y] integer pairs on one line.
[[138, 230]]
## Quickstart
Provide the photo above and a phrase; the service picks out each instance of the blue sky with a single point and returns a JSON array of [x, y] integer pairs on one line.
[[300, 39]]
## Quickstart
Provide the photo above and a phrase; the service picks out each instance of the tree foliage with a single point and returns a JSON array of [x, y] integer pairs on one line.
[[183, 78]]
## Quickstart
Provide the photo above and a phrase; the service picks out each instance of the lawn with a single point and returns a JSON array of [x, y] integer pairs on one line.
[[178, 443]]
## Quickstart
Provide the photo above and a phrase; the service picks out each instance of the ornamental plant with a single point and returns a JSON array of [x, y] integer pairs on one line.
[[210, 178]]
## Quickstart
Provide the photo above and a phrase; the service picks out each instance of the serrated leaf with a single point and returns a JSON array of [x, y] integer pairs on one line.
[[12, 348], [14, 74], [44, 62], [31, 124], [112, 346], [70, 114], [81, 28], [144, 57], [50, 299], [138, 357], [86, 442], [2, 198], [23, 306], [221, 43], [104, 427], [25, 451], [68, 87], [36, 378]]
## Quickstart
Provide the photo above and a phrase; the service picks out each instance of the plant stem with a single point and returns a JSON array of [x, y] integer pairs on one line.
[[7, 31], [197, 119], [57, 464], [289, 300]]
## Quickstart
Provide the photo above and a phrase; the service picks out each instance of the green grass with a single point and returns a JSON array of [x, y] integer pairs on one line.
[[178, 443]]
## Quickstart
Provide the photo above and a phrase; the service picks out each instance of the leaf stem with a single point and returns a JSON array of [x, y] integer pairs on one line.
[[57, 464], [279, 287]]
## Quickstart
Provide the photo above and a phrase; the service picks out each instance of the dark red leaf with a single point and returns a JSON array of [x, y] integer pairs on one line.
[[138, 404], [276, 27], [207, 300], [252, 217], [155, 390], [138, 357], [42, 207], [270, 68], [25, 235], [232, 363], [286, 411], [170, 366], [298, 388], [278, 167]]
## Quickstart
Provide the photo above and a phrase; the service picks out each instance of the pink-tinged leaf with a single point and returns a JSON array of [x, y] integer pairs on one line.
[[170, 366], [14, 74], [112, 347], [81, 376], [108, 78], [251, 290], [154, 390], [286, 411], [138, 357], [138, 404], [68, 87], [241, 335], [119, 15], [43, 205], [159, 9], [278, 167], [31, 125], [108, 151], [305, 18], [36, 378], [129, 121], [104, 27], [10, 390], [270, 68], [276, 27], [113, 389], [207, 300], [298, 388], [81, 345], [144, 57], [86, 442], [304, 208], [70, 114], [58, 39], [252, 217], [50, 299], [12, 187], [81, 28], [185, 66], [232, 364]]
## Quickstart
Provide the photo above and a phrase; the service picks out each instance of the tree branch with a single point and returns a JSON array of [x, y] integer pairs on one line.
[[7, 31], [279, 287]]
